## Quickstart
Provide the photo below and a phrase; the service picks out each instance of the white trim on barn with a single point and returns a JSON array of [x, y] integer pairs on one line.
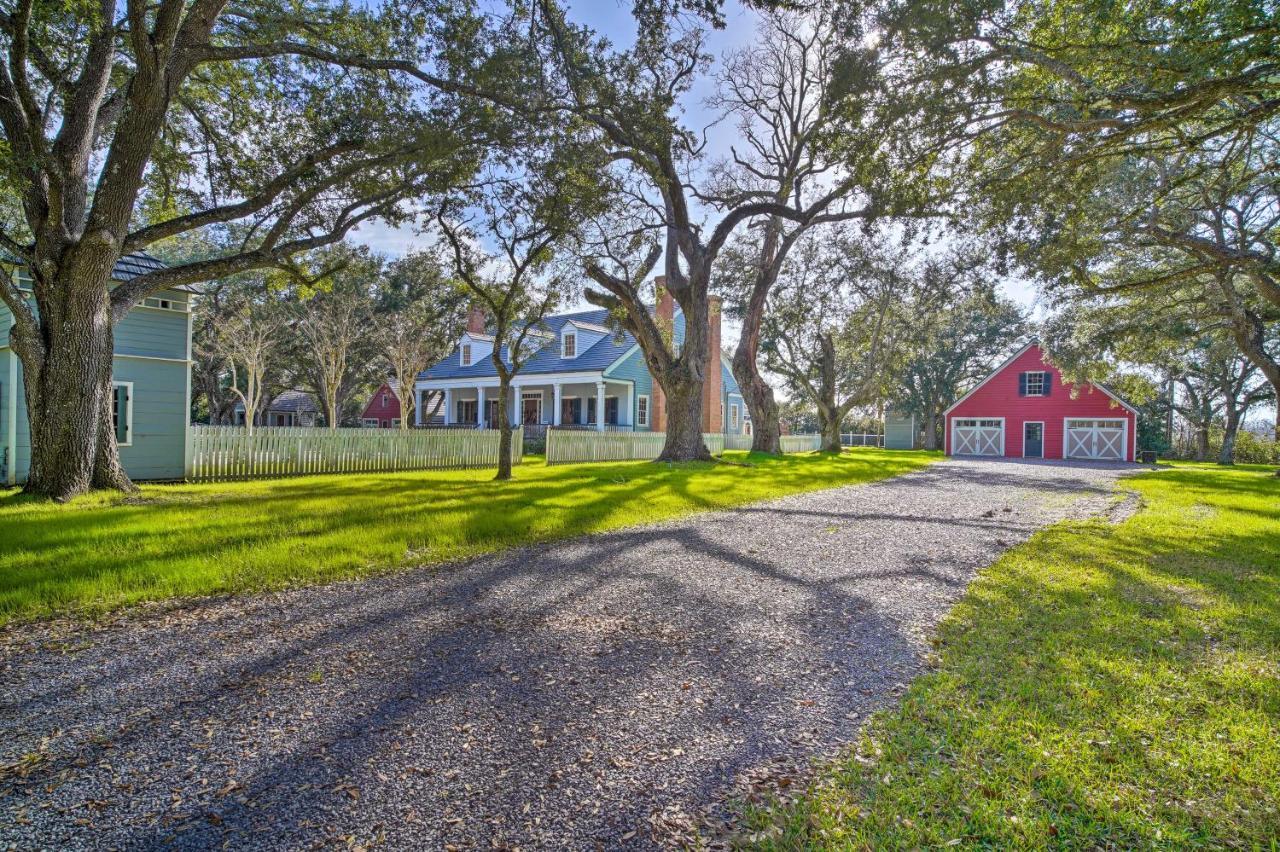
[[983, 439], [1097, 433]]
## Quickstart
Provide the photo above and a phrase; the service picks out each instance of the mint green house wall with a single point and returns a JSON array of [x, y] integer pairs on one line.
[[632, 369], [153, 355]]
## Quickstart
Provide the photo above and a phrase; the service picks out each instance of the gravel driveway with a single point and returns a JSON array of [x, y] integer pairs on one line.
[[598, 692]]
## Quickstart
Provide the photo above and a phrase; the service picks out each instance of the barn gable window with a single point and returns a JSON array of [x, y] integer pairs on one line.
[[1033, 384]]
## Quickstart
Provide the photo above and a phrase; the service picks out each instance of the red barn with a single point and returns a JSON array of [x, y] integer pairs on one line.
[[383, 410], [1024, 410]]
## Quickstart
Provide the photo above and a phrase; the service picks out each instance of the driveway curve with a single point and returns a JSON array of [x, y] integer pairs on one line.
[[600, 692]]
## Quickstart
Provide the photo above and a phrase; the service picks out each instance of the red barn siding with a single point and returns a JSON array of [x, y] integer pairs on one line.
[[384, 414], [998, 397]]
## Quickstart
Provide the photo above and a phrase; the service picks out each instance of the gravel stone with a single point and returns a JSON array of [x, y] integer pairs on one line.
[[600, 692]]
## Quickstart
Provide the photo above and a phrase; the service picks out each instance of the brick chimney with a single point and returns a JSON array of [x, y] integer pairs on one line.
[[665, 311], [713, 381], [475, 319]]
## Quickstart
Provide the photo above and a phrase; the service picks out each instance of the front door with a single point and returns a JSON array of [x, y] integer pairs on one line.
[[531, 409], [1033, 440]]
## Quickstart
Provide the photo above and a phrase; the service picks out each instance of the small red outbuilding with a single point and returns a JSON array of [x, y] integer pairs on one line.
[[383, 410], [1024, 410]]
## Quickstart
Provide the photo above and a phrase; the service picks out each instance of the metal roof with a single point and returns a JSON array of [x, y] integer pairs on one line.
[[547, 359], [128, 267]]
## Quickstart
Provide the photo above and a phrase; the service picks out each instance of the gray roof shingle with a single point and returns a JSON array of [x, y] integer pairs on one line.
[[547, 359]]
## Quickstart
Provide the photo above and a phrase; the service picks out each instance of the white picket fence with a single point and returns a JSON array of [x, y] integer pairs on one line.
[[574, 445], [230, 452], [799, 443]]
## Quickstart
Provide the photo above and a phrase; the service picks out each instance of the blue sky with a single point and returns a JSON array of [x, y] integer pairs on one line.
[[612, 18]]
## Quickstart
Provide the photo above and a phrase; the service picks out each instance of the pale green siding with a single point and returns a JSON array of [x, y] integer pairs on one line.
[[6, 407], [152, 353], [899, 431]]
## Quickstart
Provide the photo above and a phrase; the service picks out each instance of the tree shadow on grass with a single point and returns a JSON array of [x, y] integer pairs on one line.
[[1106, 686]]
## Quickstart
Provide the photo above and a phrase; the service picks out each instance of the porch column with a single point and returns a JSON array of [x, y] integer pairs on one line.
[[631, 406], [480, 408], [599, 406], [448, 406], [555, 411]]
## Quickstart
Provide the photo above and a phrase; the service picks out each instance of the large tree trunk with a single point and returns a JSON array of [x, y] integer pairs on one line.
[[829, 414], [1227, 455], [766, 427], [682, 384], [684, 421], [69, 395], [504, 429], [831, 435], [1202, 443], [931, 431]]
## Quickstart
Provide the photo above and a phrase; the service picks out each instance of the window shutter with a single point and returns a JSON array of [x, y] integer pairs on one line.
[[122, 413], [1048, 382], [1022, 384]]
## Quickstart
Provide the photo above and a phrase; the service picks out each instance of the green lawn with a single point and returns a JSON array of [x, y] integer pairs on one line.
[[102, 552], [1099, 687]]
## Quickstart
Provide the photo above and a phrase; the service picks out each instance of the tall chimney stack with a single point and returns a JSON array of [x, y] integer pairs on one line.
[[475, 319], [712, 380]]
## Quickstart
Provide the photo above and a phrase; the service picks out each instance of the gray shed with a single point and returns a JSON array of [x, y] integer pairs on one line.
[[900, 432]]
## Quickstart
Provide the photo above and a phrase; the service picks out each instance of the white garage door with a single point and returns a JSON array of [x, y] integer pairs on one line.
[[977, 437], [1095, 439]]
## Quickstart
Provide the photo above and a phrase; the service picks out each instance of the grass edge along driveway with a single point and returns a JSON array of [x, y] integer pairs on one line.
[[1099, 686], [103, 552]]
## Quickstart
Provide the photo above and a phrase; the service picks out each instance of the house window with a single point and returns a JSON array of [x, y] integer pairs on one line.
[[165, 304], [395, 422], [571, 410], [466, 354], [642, 411], [369, 423], [570, 345], [122, 412], [1035, 384], [733, 417], [467, 410], [611, 410]]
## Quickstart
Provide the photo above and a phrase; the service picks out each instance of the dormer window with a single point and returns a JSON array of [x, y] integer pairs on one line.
[[569, 345], [466, 354]]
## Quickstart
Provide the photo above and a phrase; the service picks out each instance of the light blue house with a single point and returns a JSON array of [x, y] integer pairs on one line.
[[582, 375], [151, 373]]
